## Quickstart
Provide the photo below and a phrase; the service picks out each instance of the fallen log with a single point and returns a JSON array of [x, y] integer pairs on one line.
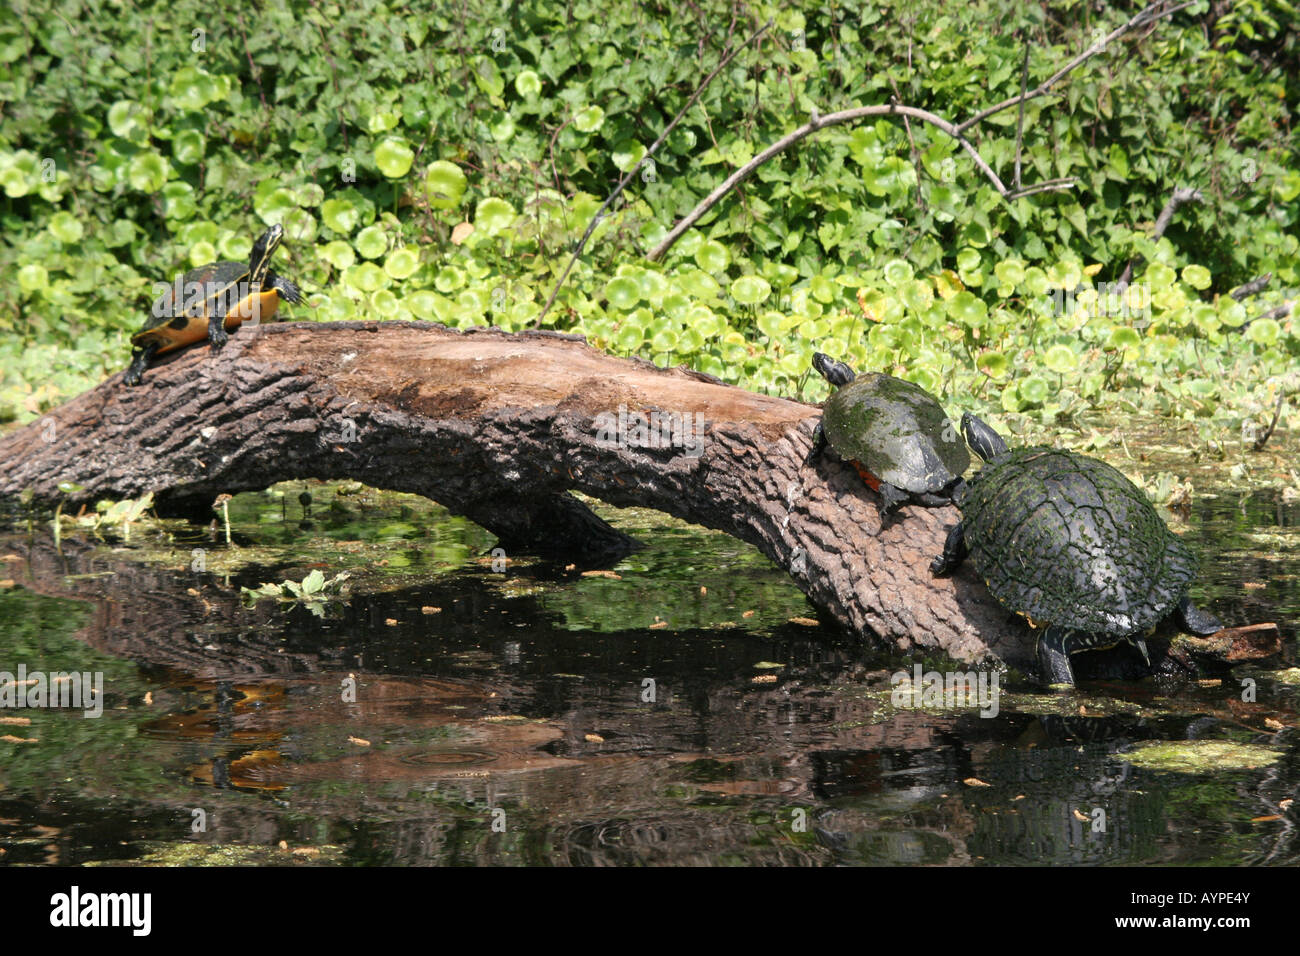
[[502, 428]]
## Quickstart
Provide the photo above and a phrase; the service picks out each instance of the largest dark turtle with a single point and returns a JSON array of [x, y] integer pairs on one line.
[[1074, 546], [894, 432], [213, 300]]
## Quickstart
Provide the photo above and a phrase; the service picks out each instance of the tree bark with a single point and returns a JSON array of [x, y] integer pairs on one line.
[[502, 428]]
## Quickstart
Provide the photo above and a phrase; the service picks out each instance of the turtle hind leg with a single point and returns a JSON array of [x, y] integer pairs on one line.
[[140, 360], [1054, 656], [930, 499], [1195, 621], [954, 551]]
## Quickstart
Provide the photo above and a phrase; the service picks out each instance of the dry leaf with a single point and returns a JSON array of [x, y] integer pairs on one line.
[[360, 742], [429, 609], [594, 738], [602, 574], [763, 679], [747, 614], [976, 782], [461, 232], [806, 621], [1081, 817], [391, 621], [16, 721], [1268, 819]]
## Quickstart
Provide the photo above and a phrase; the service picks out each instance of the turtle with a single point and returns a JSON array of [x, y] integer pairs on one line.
[[214, 299], [1071, 544], [894, 432]]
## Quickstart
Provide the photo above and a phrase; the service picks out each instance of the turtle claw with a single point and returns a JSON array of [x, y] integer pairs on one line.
[[139, 359], [954, 551], [217, 336], [819, 445], [1141, 644], [1054, 659]]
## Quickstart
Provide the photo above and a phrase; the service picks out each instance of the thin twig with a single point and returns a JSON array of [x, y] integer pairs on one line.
[[595, 220], [916, 153], [1020, 120], [1268, 432]]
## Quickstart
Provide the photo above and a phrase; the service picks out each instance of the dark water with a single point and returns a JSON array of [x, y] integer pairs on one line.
[[679, 708]]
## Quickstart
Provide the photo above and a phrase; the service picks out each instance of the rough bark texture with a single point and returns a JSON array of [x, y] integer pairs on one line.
[[501, 428]]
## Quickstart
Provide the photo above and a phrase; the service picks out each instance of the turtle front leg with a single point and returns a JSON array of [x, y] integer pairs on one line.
[[954, 551], [1054, 657], [1195, 621], [217, 336], [288, 290], [891, 497], [140, 359], [819, 445]]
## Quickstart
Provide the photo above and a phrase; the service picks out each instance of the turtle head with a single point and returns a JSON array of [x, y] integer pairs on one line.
[[837, 373], [259, 260], [981, 437]]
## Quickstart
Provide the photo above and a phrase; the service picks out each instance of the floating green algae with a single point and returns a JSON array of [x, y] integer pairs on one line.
[[1199, 756]]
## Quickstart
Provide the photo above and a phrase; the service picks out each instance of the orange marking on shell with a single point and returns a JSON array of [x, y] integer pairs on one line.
[[872, 481]]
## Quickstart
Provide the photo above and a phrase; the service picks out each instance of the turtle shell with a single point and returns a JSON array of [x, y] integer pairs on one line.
[[895, 430], [171, 324], [1068, 541]]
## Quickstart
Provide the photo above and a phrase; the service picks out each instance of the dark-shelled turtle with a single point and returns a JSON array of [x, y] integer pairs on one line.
[[213, 300], [1074, 546], [894, 432]]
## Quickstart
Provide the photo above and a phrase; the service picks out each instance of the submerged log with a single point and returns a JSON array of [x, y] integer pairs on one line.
[[502, 428]]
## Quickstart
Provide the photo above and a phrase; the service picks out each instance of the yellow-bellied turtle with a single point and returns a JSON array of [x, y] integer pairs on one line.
[[1074, 546], [895, 433], [213, 300]]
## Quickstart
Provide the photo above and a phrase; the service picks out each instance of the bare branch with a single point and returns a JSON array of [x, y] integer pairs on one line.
[[835, 119], [1183, 194], [1253, 287], [1146, 15]]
